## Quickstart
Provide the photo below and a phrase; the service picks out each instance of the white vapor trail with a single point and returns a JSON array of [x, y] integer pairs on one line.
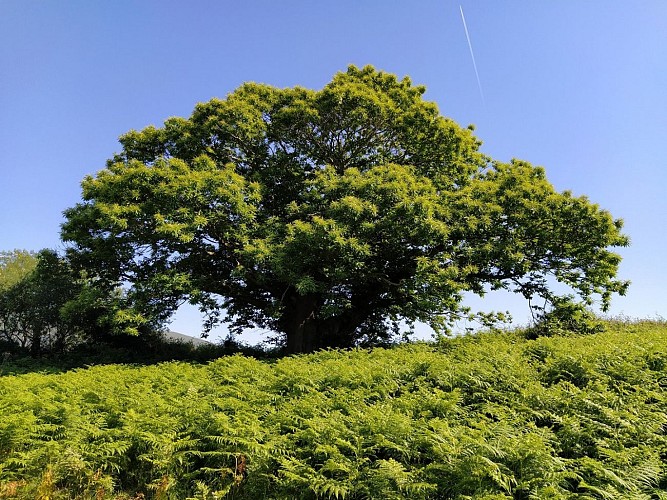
[[472, 54]]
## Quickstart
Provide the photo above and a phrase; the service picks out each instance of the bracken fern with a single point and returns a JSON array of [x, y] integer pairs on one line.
[[488, 416]]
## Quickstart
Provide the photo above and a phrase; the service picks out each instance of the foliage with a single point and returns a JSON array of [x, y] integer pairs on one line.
[[48, 307], [562, 317], [31, 303], [49, 310], [488, 416], [14, 266], [137, 350], [330, 216]]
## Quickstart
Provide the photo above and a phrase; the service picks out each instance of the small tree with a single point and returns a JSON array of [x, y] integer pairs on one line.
[[48, 307], [31, 302], [330, 216], [15, 266]]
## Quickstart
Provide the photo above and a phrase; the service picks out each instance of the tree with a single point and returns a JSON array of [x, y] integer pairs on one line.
[[36, 289], [330, 216], [15, 265], [46, 306]]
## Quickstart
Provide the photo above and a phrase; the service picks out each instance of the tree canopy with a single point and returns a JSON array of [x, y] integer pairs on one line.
[[331, 216], [15, 265], [48, 307], [34, 290]]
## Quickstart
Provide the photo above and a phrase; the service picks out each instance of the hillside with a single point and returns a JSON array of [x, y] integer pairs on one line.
[[487, 416]]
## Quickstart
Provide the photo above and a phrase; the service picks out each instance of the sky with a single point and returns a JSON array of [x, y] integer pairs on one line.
[[579, 88]]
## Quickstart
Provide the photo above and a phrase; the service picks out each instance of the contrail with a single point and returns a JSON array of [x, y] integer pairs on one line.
[[472, 55]]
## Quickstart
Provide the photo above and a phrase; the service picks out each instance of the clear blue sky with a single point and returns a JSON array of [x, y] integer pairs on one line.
[[577, 87]]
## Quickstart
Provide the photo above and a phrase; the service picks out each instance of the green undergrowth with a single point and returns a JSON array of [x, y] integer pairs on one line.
[[493, 416], [136, 352]]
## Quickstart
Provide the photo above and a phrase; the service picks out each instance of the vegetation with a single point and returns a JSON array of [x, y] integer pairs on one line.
[[34, 289], [49, 308], [14, 266], [330, 217], [487, 416]]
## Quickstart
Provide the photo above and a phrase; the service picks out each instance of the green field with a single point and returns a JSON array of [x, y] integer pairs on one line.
[[486, 416]]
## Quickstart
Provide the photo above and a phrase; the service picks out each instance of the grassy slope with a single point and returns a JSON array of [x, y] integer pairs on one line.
[[491, 416]]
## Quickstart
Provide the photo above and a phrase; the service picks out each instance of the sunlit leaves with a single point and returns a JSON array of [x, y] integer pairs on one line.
[[486, 416], [359, 198], [15, 265]]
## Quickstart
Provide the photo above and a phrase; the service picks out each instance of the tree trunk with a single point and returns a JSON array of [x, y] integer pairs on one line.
[[36, 343], [307, 332], [300, 323]]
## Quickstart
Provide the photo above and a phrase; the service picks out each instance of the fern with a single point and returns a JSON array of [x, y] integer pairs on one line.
[[485, 416]]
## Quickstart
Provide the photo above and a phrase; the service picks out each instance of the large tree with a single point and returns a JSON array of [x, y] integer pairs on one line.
[[330, 216]]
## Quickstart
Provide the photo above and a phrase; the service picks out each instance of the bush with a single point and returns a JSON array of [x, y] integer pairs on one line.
[[565, 317]]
